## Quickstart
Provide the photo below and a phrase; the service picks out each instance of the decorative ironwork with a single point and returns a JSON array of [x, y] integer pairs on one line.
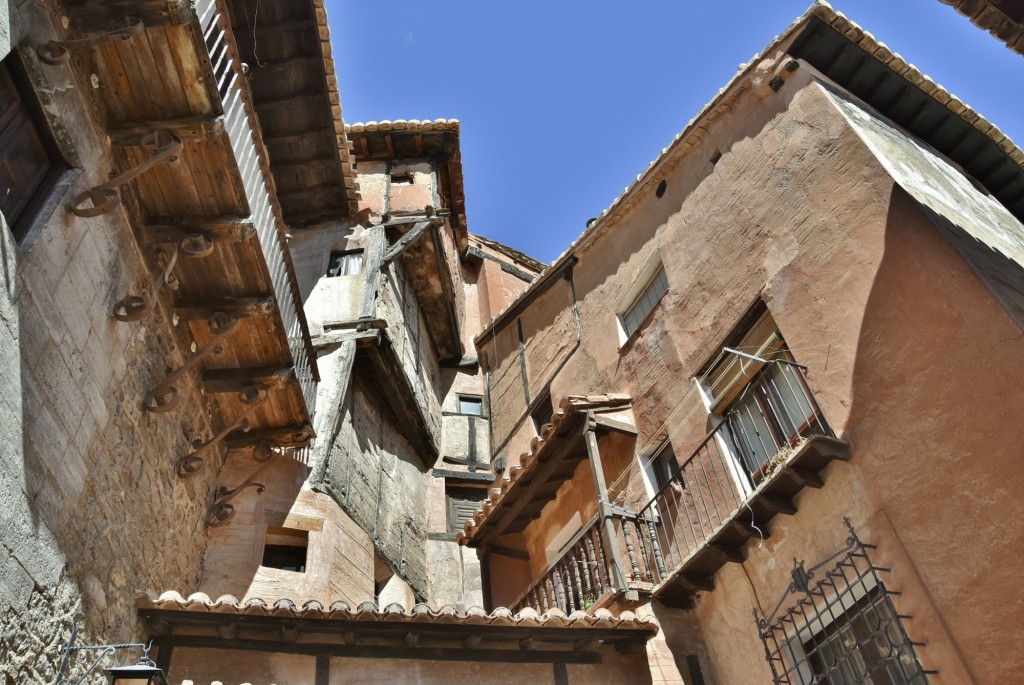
[[222, 511], [843, 628], [136, 307], [163, 146], [165, 397], [59, 52], [190, 464]]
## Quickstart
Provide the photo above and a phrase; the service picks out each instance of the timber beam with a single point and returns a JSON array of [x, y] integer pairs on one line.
[[305, 164], [101, 14], [237, 380], [297, 136], [250, 33], [187, 129], [418, 230], [218, 229], [284, 436], [238, 307]]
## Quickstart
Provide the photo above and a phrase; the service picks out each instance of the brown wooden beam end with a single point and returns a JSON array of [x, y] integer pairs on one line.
[[188, 129], [285, 436], [237, 380], [240, 307], [805, 478], [696, 583], [727, 553], [777, 504], [226, 230], [96, 15]]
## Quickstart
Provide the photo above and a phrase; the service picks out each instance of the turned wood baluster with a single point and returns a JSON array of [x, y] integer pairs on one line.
[[643, 548], [634, 566]]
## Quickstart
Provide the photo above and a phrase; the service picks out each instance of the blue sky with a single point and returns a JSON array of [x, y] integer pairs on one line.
[[562, 104]]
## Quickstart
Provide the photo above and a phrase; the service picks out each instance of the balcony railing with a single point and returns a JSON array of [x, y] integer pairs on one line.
[[702, 516]]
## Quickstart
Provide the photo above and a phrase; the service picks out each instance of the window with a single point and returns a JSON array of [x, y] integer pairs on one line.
[[401, 178], [842, 627], [29, 161], [285, 549], [665, 467], [471, 405], [462, 504], [761, 392], [345, 263], [644, 304], [542, 413]]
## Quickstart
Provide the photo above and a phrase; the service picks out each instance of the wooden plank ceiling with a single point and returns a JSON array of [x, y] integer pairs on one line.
[[163, 79], [286, 49]]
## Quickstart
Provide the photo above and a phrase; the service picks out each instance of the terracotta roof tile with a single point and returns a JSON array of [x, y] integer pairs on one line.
[[172, 600]]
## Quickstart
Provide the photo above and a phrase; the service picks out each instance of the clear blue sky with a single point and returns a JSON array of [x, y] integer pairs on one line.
[[562, 104]]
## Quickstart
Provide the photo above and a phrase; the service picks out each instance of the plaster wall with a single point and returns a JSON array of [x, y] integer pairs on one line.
[[87, 485], [910, 357], [339, 554]]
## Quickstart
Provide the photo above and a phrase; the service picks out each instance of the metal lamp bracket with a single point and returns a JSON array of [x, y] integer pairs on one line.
[[163, 147], [192, 463], [59, 52], [137, 307], [222, 511], [165, 396]]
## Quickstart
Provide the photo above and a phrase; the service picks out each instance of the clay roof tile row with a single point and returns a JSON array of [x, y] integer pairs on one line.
[[404, 125], [172, 600]]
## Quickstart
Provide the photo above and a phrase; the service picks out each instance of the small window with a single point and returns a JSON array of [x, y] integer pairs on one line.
[[462, 504], [401, 178], [345, 263], [29, 161], [285, 549], [471, 405], [665, 467], [542, 413], [644, 304]]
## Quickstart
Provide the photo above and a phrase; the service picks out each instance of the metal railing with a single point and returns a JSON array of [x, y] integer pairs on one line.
[[240, 125], [766, 424]]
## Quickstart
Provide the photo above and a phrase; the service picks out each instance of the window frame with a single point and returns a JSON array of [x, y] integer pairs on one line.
[[628, 323], [543, 411], [336, 254], [27, 111], [279, 541], [479, 399]]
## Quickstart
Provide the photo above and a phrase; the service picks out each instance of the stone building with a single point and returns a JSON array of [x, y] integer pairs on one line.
[[268, 403]]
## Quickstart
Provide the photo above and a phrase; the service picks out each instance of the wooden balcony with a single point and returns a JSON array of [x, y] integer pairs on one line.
[[191, 171]]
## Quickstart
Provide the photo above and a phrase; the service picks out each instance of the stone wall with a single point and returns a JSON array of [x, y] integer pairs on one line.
[[90, 508]]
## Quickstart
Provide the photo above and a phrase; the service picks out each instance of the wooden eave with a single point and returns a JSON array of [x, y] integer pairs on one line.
[[165, 79], [286, 47], [431, 278], [378, 362]]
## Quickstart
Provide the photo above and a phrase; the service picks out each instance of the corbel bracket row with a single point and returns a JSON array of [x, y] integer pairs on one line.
[[192, 463], [59, 52], [137, 307], [221, 511], [165, 396], [163, 147]]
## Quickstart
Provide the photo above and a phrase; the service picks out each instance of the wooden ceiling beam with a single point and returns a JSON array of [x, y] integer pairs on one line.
[[286, 101], [98, 15], [239, 307], [218, 229], [298, 136], [188, 129], [284, 436], [249, 33], [303, 165], [237, 380]]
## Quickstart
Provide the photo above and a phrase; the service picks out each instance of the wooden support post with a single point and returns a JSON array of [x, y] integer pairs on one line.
[[600, 487], [418, 230]]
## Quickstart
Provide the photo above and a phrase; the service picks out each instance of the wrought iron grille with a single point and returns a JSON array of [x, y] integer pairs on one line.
[[843, 629]]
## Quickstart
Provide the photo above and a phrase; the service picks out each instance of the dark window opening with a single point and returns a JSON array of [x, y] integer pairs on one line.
[[665, 467], [462, 504], [693, 666], [403, 178], [662, 187], [543, 412], [285, 549], [471, 405], [715, 156], [30, 163], [345, 263]]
